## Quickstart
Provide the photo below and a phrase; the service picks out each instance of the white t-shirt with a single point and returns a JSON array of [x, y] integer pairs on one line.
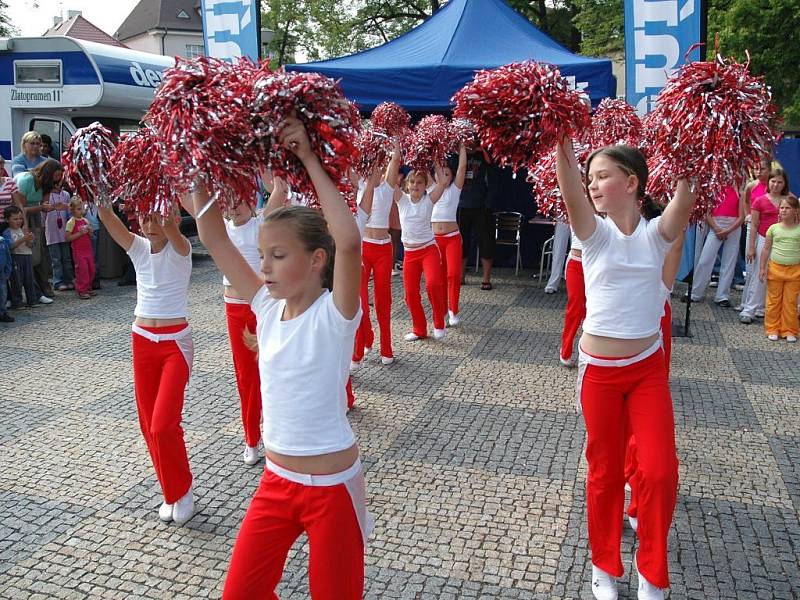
[[575, 243], [622, 273], [162, 280], [382, 198], [415, 219], [245, 238], [444, 211], [361, 220], [304, 364]]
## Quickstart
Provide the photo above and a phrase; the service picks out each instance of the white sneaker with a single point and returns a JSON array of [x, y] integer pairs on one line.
[[633, 522], [438, 334], [569, 362], [45, 300], [411, 337], [791, 339], [453, 318], [387, 360], [549, 290], [604, 586], [772, 338], [367, 350], [739, 307], [250, 455], [354, 365], [647, 591], [395, 272], [183, 510], [165, 512]]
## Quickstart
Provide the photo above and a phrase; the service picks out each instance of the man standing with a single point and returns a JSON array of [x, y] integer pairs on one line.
[[475, 213]]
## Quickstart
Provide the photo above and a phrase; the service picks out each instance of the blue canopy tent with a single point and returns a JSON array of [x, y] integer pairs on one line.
[[422, 69]]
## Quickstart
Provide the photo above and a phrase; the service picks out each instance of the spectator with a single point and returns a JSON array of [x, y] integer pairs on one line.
[[31, 155], [55, 222], [91, 215], [79, 234], [475, 214], [7, 189], [127, 215], [21, 245], [6, 269], [47, 146]]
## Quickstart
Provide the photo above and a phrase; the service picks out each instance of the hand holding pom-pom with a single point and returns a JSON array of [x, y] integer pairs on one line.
[[87, 162], [460, 131]]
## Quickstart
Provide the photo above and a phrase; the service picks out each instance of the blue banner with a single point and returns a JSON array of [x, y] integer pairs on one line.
[[230, 28], [658, 34]]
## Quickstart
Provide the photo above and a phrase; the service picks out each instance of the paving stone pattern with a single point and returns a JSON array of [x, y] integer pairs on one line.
[[472, 448]]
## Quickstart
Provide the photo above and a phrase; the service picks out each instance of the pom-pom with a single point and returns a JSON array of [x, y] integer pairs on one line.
[[546, 192], [460, 131], [331, 121], [712, 124], [521, 110], [615, 122], [140, 175], [87, 162], [426, 147], [201, 112], [374, 148], [391, 118]]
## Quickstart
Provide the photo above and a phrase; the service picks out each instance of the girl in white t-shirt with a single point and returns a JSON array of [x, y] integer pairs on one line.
[[313, 480], [622, 375], [448, 236], [162, 349]]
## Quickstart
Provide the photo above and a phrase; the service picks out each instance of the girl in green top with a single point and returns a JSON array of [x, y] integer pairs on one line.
[[780, 268]]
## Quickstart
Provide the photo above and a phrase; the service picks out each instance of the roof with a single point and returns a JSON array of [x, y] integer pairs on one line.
[[82, 29], [424, 67], [160, 14]]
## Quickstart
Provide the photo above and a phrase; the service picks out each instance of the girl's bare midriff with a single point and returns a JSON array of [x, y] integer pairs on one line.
[[146, 322], [230, 292], [607, 347], [376, 233], [323, 464], [576, 252], [444, 228]]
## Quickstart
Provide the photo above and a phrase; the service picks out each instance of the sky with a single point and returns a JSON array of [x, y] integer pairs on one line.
[[34, 17]]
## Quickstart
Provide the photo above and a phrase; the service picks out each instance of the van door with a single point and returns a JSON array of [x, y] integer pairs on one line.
[[55, 129]]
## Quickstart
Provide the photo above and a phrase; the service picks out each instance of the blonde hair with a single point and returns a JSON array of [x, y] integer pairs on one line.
[[415, 173], [30, 136], [75, 202]]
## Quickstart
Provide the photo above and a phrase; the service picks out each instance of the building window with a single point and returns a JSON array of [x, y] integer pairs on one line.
[[194, 50]]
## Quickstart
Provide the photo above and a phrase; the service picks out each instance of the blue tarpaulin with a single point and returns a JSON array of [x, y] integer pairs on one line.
[[422, 69]]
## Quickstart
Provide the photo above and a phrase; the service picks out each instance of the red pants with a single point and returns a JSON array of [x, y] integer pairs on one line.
[[575, 312], [377, 260], [451, 251], [429, 261], [160, 375], [84, 270], [615, 398], [351, 397], [280, 511], [245, 365]]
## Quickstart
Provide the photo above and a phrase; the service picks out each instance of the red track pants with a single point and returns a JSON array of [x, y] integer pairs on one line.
[[429, 261], [451, 251], [575, 312], [377, 260], [280, 511], [613, 398], [160, 375], [245, 365], [83, 261]]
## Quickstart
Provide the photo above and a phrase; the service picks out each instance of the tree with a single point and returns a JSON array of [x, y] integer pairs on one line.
[[602, 26], [6, 28]]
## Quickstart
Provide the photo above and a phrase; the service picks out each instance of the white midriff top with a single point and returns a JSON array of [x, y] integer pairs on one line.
[[575, 243], [162, 280], [245, 238], [381, 207], [444, 211], [622, 273], [415, 219], [304, 364]]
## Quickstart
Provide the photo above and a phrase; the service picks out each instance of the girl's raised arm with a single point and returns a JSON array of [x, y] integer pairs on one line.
[[580, 210], [675, 217], [393, 168], [342, 225], [461, 171], [173, 232], [438, 189], [211, 229], [116, 228]]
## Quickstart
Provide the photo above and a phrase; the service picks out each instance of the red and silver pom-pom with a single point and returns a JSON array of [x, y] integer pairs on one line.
[[87, 162], [615, 122], [374, 149], [542, 176], [331, 121], [521, 110], [201, 113], [426, 147], [141, 178], [391, 118], [460, 131], [713, 124]]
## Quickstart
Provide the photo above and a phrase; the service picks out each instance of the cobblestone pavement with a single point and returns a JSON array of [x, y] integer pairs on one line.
[[472, 447]]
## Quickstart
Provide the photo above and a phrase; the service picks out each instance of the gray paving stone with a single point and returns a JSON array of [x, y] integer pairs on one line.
[[713, 405]]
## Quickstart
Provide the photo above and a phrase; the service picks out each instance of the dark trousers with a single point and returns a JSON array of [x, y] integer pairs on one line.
[[22, 277], [481, 221]]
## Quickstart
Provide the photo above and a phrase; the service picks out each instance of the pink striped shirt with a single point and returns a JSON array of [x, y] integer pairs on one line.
[[7, 188]]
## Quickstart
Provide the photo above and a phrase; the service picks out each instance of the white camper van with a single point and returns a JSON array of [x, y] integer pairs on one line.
[[55, 85]]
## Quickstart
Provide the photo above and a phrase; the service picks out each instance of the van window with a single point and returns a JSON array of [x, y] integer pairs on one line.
[[52, 129], [37, 72]]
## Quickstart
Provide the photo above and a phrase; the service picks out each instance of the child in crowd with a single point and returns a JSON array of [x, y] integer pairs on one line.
[[79, 233], [780, 269], [21, 244], [92, 215], [6, 269], [55, 222]]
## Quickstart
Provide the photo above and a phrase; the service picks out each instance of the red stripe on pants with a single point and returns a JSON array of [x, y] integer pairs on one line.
[[84, 270], [575, 312], [377, 260], [451, 251], [245, 365], [279, 512], [160, 375], [415, 262], [351, 397], [613, 397]]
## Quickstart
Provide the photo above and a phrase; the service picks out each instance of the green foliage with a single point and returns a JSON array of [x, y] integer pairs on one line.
[[602, 26], [7, 29]]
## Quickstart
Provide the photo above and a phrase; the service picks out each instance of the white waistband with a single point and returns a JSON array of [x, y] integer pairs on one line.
[[387, 240], [451, 234], [430, 243], [619, 362], [162, 337], [315, 480], [571, 256], [232, 300]]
